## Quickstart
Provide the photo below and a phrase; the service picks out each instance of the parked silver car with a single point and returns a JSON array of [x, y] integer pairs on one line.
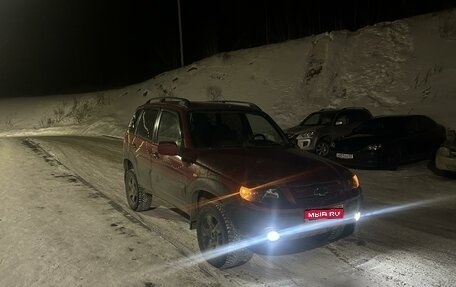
[[317, 131], [445, 158]]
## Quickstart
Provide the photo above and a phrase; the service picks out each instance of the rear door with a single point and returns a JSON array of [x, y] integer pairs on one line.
[[142, 147], [346, 121]]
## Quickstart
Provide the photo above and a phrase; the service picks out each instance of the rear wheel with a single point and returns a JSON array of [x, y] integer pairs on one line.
[[137, 199], [215, 230]]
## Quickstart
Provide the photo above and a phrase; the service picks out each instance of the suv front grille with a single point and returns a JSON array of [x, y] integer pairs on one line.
[[315, 190], [317, 194]]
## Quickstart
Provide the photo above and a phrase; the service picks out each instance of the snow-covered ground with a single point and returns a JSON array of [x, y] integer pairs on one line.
[[69, 225], [65, 214]]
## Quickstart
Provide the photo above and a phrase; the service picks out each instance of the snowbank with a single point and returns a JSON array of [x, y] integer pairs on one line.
[[405, 66]]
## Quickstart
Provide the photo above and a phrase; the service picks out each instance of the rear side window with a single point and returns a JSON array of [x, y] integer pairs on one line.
[[146, 123], [134, 122], [425, 124], [359, 116]]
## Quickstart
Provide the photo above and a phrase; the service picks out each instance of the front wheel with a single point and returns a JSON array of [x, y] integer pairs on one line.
[[138, 200], [215, 231], [322, 148]]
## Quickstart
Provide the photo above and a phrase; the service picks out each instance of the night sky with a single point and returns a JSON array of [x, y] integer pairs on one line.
[[70, 46]]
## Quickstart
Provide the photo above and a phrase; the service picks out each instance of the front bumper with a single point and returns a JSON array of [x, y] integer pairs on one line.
[[306, 143], [252, 220]]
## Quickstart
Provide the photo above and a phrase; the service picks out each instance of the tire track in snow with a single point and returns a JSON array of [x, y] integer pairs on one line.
[[134, 218]]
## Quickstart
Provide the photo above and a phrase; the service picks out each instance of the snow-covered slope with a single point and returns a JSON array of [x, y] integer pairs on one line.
[[406, 66]]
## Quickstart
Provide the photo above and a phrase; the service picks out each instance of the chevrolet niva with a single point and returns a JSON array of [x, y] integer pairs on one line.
[[237, 176]]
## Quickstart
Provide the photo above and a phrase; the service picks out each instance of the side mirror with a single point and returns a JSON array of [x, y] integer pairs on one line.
[[168, 148]]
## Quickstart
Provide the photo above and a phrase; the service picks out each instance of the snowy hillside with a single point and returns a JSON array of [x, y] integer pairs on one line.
[[406, 66]]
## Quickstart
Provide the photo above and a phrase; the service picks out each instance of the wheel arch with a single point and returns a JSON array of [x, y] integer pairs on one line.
[[204, 188], [127, 164]]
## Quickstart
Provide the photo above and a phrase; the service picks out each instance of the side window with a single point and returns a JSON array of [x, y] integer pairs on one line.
[[359, 116], [134, 122], [146, 123], [341, 119], [425, 124], [411, 125], [169, 128]]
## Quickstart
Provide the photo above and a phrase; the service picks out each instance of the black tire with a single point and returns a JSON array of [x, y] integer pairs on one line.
[[215, 229], [322, 148], [137, 199]]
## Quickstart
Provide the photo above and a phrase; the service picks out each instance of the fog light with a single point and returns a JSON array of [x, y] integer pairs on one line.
[[273, 235], [357, 216]]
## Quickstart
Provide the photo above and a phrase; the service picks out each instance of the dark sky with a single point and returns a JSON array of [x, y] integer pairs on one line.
[[67, 46]]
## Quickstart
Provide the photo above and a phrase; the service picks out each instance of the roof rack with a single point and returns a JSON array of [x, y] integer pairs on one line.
[[252, 105], [182, 101]]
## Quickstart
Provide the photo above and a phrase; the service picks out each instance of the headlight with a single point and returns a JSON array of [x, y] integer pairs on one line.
[[373, 147], [353, 182], [443, 150], [306, 135], [258, 195]]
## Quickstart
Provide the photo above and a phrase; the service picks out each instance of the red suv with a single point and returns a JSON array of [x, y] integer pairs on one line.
[[236, 175]]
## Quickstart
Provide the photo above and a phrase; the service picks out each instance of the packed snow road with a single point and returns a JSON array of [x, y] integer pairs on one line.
[[64, 221]]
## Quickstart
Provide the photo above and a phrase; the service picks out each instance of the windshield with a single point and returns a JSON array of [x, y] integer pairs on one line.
[[318, 119], [213, 129]]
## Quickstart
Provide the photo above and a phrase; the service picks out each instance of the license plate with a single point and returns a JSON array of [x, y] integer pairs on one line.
[[344, 155], [332, 213]]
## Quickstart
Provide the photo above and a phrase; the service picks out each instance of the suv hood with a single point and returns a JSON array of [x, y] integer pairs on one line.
[[294, 131], [257, 166]]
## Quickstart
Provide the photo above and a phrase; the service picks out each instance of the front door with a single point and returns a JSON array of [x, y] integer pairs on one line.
[[170, 173]]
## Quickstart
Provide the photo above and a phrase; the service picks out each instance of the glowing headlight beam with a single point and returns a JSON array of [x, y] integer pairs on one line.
[[301, 229]]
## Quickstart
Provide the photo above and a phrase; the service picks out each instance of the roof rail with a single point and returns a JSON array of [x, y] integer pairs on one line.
[[182, 101], [252, 105], [343, 108]]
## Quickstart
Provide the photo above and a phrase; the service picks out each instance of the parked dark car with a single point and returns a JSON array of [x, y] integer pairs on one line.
[[233, 171], [386, 142], [317, 131]]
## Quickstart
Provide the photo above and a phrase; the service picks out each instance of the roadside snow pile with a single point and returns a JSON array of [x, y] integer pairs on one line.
[[406, 66]]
